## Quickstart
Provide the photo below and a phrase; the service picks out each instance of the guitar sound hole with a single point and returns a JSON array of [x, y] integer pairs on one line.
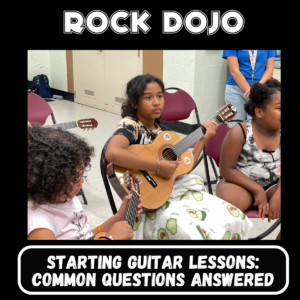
[[168, 154]]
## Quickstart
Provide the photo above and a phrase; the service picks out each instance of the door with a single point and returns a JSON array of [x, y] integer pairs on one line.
[[89, 77], [120, 67]]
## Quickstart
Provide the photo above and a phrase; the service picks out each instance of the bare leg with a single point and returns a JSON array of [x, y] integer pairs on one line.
[[270, 193], [279, 236], [234, 194]]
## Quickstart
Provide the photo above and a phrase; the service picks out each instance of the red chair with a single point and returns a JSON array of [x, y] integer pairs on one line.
[[38, 109], [178, 106], [38, 112], [213, 149]]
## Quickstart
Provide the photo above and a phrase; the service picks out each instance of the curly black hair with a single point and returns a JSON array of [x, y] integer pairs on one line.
[[54, 158], [134, 90], [261, 94]]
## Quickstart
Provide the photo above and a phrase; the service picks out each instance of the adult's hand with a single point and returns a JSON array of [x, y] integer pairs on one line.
[[246, 95]]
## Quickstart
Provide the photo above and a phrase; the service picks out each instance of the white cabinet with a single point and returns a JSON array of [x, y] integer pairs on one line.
[[100, 76]]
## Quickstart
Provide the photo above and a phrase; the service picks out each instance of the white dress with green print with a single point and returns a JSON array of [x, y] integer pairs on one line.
[[193, 214]]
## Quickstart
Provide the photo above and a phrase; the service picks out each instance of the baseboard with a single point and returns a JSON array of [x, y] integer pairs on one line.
[[181, 127], [66, 95]]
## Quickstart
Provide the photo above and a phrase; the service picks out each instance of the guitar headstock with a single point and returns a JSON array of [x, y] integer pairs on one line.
[[227, 112], [131, 182], [87, 124]]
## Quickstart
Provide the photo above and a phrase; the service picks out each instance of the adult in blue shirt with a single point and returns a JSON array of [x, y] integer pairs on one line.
[[246, 67]]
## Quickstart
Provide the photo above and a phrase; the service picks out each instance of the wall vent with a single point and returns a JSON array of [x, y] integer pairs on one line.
[[89, 94], [119, 101]]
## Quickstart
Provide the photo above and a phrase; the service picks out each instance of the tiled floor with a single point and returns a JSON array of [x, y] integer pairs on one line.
[[98, 209]]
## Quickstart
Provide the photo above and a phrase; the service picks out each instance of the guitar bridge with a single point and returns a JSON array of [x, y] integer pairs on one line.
[[149, 178]]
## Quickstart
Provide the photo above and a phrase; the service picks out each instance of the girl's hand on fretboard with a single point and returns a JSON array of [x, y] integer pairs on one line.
[[211, 129], [121, 212]]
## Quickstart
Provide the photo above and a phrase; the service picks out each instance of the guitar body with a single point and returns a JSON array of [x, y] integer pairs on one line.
[[153, 196], [155, 190]]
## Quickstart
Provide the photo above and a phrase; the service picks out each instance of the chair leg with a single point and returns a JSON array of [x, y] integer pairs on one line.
[[53, 118], [81, 193], [213, 166], [105, 181], [198, 162], [207, 173], [268, 231]]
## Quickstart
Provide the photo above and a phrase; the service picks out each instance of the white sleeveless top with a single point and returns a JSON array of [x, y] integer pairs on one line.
[[259, 166]]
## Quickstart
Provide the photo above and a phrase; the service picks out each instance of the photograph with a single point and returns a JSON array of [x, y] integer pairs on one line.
[[154, 153], [188, 144]]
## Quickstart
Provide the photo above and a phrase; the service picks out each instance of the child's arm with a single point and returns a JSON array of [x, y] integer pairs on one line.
[[275, 203], [211, 129], [116, 227], [41, 234], [119, 216], [231, 149], [118, 154]]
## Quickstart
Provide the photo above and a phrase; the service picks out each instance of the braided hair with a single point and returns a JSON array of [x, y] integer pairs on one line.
[[261, 94]]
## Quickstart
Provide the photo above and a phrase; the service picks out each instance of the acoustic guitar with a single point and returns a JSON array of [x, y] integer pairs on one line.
[[132, 185], [83, 124], [154, 188]]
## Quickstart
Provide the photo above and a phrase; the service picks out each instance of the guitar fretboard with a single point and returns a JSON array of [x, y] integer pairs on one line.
[[67, 125], [132, 208], [192, 138]]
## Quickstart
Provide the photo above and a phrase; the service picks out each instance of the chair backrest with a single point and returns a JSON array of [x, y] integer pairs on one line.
[[38, 109], [103, 166], [214, 144], [178, 105]]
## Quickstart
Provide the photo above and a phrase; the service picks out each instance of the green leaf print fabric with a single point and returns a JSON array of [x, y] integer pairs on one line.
[[193, 214]]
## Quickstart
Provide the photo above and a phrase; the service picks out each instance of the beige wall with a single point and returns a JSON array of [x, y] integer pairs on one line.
[[202, 74], [277, 74], [52, 63]]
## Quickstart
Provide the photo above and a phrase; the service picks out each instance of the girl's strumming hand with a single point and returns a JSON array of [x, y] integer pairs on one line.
[[168, 168], [211, 129], [262, 202]]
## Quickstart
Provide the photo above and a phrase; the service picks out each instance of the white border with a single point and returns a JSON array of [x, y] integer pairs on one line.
[[152, 292]]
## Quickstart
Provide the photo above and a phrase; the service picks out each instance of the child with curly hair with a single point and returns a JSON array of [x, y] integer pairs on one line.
[[57, 161], [251, 154]]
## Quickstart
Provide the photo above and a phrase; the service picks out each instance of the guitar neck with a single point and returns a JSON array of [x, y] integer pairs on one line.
[[67, 125], [192, 138], [132, 208]]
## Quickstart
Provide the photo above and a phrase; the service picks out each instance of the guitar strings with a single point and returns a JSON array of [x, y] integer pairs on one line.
[[170, 153]]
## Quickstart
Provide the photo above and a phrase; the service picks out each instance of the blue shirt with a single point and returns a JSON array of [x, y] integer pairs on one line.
[[245, 64]]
